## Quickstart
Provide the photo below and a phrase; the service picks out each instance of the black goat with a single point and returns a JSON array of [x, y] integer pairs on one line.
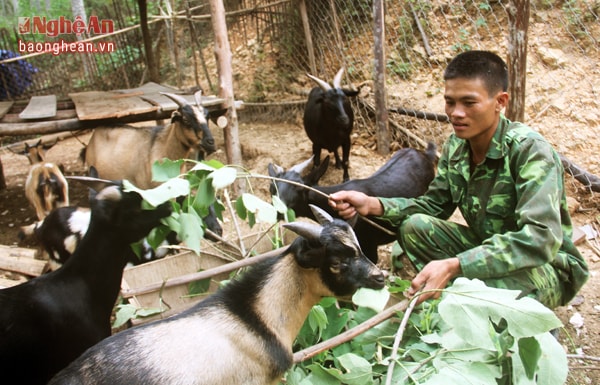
[[47, 322], [243, 334], [62, 230], [407, 174], [329, 119]]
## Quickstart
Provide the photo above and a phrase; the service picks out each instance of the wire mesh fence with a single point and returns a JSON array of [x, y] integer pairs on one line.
[[276, 42]]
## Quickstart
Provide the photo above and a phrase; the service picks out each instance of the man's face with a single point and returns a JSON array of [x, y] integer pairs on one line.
[[473, 112]]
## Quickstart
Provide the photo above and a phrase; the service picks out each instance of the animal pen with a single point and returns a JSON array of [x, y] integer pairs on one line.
[[394, 52]]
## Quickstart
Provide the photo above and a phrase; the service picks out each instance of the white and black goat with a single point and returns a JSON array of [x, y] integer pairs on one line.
[[126, 152], [407, 174], [45, 187], [242, 334], [329, 119], [47, 322], [62, 230]]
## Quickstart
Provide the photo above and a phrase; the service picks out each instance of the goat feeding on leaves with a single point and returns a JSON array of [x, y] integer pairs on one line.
[[61, 231], [47, 322], [407, 174], [329, 119], [243, 333], [45, 187], [127, 152]]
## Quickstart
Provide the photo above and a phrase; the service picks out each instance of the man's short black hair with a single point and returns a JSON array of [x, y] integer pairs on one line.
[[484, 65]]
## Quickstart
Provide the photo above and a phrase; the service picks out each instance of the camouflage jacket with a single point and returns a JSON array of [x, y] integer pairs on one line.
[[514, 201]]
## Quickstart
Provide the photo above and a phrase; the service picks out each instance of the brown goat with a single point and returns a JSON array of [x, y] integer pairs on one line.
[[46, 188], [127, 152]]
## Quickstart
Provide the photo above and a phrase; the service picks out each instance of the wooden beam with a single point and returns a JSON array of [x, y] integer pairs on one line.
[[21, 260]]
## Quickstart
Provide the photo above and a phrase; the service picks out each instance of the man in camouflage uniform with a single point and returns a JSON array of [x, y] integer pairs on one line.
[[507, 182]]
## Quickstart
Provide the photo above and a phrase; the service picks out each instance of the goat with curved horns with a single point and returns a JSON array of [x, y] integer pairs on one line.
[[242, 334], [126, 152], [329, 119]]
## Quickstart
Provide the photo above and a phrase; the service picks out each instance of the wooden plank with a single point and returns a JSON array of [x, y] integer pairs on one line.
[[4, 282], [40, 107], [177, 297], [22, 261], [95, 105], [5, 107]]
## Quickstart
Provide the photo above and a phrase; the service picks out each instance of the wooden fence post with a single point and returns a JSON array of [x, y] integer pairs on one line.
[[381, 111], [518, 16], [233, 146]]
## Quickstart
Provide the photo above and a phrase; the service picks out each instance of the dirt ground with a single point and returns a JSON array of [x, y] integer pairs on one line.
[[286, 145]]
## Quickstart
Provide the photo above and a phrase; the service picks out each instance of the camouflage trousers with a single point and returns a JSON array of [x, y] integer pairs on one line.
[[424, 238]]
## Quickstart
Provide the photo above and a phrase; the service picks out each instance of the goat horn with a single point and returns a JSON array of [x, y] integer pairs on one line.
[[198, 98], [180, 100], [96, 184], [321, 215], [307, 230], [338, 78], [323, 84], [300, 167]]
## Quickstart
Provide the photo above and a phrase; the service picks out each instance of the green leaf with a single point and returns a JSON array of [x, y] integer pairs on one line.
[[223, 177], [317, 319], [124, 313], [191, 231], [552, 366], [200, 286], [264, 212], [530, 353], [456, 372], [147, 312], [374, 299], [358, 370], [204, 166], [279, 204], [469, 305], [163, 170], [205, 196], [398, 285], [322, 376], [170, 189]]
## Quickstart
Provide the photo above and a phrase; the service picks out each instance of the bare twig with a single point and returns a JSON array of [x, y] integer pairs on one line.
[[398, 338], [242, 248], [584, 357], [312, 351], [258, 176]]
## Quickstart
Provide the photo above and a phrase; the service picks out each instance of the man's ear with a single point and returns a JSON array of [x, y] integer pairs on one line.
[[502, 100]]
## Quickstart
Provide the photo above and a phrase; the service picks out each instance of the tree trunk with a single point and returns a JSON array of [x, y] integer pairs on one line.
[[381, 115], [223, 55], [518, 15], [153, 73]]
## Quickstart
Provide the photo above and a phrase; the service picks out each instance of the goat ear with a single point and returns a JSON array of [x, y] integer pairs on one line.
[[176, 116], [274, 170], [309, 231], [213, 115], [350, 93], [321, 215]]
